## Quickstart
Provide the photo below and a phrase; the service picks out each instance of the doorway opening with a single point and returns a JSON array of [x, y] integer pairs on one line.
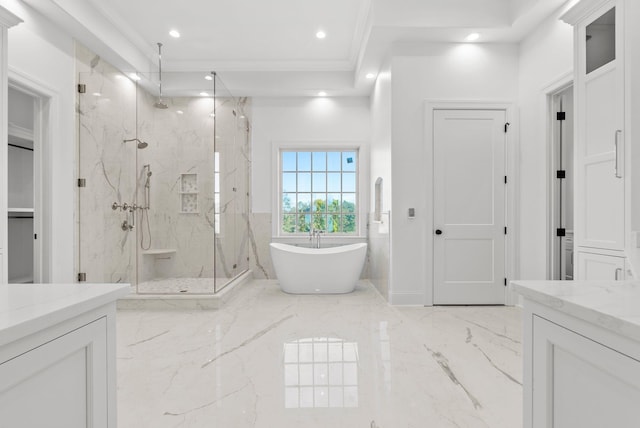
[[26, 233], [561, 247]]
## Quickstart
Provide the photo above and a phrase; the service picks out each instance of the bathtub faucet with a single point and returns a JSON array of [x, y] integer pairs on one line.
[[315, 235]]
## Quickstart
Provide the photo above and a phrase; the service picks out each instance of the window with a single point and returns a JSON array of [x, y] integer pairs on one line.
[[319, 190]]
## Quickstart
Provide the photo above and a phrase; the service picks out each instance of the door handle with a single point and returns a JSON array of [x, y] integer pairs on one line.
[[618, 272], [616, 143], [438, 232]]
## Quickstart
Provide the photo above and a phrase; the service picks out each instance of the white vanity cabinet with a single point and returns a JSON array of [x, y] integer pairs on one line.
[[581, 353], [600, 176], [581, 382], [57, 355]]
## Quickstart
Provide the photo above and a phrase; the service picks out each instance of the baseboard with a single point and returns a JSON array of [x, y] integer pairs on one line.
[[406, 299]]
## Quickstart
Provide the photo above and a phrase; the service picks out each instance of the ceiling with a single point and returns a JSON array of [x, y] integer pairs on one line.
[[269, 47]]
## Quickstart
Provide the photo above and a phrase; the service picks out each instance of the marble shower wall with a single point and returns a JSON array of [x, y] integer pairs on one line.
[[180, 220], [180, 156], [260, 232]]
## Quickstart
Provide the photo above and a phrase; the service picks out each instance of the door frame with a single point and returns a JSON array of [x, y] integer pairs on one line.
[[45, 116], [511, 196], [549, 92]]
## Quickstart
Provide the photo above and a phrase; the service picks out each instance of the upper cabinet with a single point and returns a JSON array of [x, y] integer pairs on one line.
[[600, 178]]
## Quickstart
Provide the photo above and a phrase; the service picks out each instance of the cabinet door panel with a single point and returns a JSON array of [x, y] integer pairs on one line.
[[600, 157], [578, 382], [601, 204], [600, 94], [61, 384], [598, 266]]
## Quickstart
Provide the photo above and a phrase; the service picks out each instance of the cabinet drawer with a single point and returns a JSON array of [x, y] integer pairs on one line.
[[600, 266]]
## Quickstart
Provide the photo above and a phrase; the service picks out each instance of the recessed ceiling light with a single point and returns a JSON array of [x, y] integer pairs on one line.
[[134, 77], [370, 76], [174, 33], [321, 34], [322, 94], [97, 94], [471, 37], [204, 94], [212, 115], [208, 77], [179, 112]]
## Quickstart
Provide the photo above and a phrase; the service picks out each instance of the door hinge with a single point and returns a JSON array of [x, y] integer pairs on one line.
[[561, 231], [561, 115], [82, 182], [561, 174], [506, 127], [505, 179], [505, 230], [82, 277], [35, 236], [505, 282], [82, 88]]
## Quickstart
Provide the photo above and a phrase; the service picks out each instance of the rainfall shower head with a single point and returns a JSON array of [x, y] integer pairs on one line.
[[141, 144], [160, 104]]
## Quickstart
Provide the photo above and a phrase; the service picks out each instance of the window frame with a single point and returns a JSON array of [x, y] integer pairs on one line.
[[328, 146]]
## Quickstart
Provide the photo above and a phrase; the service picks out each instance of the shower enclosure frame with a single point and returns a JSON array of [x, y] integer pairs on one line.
[[112, 172]]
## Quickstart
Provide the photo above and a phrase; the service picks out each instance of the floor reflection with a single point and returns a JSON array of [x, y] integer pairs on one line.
[[320, 372]]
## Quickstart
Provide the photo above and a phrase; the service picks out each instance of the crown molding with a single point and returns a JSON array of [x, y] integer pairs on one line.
[[8, 19], [581, 10]]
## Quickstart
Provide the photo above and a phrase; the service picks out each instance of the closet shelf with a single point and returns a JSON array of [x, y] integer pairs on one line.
[[20, 210]]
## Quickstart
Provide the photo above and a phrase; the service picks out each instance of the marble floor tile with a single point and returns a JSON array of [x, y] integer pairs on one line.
[[269, 359]]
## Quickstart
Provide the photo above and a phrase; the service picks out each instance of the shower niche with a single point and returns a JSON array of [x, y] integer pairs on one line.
[[186, 188], [189, 193]]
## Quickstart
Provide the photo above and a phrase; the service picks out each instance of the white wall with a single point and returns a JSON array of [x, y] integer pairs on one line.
[[440, 72], [380, 166], [380, 150], [300, 119], [546, 56], [42, 54]]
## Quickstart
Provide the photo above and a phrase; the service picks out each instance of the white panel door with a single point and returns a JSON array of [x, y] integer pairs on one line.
[[469, 206], [600, 266]]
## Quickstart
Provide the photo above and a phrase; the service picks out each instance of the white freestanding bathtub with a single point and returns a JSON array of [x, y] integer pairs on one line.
[[333, 270]]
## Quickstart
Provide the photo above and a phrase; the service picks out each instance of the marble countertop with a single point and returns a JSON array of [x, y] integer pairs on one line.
[[611, 305], [27, 308]]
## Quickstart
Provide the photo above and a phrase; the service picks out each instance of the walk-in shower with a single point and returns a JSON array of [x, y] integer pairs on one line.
[[183, 199]]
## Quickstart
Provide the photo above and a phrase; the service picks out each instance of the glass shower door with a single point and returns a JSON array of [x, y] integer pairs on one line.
[[106, 173]]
